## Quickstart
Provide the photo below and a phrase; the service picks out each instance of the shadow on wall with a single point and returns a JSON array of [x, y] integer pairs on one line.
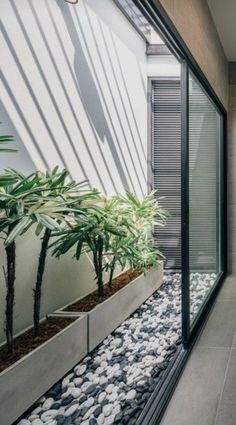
[[111, 109], [21, 156], [89, 95]]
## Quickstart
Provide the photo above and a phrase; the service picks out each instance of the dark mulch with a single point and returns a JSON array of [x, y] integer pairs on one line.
[[90, 301], [26, 342]]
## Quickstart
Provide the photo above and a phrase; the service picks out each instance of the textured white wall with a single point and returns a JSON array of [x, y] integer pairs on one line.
[[74, 93]]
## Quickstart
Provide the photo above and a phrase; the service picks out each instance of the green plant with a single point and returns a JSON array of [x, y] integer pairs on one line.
[[70, 196], [5, 139], [138, 217], [12, 220], [117, 232], [93, 236], [22, 204]]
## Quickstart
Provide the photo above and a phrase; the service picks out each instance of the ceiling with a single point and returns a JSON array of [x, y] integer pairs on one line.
[[224, 15]]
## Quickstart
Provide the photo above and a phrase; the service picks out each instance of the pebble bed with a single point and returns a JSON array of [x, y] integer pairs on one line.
[[113, 383]]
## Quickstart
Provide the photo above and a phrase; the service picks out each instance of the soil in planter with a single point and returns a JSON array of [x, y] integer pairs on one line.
[[26, 342], [90, 301]]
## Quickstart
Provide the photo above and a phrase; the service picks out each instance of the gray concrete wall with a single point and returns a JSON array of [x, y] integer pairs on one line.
[[232, 168], [193, 21]]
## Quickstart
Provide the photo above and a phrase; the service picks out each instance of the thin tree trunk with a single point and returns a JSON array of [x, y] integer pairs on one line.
[[39, 280], [97, 260], [100, 279], [10, 296], [112, 269]]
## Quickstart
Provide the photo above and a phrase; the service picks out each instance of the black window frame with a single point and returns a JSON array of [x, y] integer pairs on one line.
[[155, 12]]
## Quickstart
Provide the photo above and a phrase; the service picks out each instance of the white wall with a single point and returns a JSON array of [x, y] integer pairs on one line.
[[74, 93]]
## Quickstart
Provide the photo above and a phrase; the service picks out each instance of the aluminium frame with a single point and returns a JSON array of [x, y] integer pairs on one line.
[[155, 12]]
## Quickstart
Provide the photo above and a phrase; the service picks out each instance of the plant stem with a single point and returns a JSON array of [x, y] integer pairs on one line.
[[97, 260], [10, 283], [38, 285], [112, 269]]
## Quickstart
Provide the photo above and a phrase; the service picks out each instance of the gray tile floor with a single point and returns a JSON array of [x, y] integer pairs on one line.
[[206, 392]]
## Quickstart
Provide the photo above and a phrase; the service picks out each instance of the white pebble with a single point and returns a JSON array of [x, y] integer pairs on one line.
[[50, 414], [107, 409], [100, 419], [109, 420], [109, 388], [48, 403], [89, 402], [72, 409], [131, 395], [32, 417], [36, 422], [76, 392], [81, 370], [78, 381], [37, 410], [24, 422], [90, 411], [102, 397]]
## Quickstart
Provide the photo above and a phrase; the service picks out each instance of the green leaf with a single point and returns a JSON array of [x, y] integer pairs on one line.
[[47, 221], [17, 230], [79, 248]]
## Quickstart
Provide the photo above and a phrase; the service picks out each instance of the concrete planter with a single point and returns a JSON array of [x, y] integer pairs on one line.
[[30, 377], [107, 316]]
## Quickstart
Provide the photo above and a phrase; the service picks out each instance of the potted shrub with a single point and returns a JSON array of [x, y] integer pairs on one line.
[[40, 200], [117, 234]]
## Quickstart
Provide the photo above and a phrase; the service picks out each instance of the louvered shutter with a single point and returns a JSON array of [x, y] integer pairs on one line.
[[204, 131], [166, 165]]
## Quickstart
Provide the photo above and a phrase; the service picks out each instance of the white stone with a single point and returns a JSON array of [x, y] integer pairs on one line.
[[109, 388], [90, 411], [48, 403], [67, 393], [116, 410], [107, 409], [50, 414], [76, 392], [87, 359], [71, 385], [99, 370], [112, 397], [131, 395], [36, 422], [86, 385], [141, 383], [78, 381], [37, 410], [109, 420], [102, 397], [100, 419], [102, 380], [89, 402], [32, 417], [108, 354], [72, 409], [24, 422], [81, 370], [90, 376]]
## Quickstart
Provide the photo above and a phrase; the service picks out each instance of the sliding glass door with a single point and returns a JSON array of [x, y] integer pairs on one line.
[[202, 203], [204, 195]]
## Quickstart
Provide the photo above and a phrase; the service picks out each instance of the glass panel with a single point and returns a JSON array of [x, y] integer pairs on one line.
[[204, 148]]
